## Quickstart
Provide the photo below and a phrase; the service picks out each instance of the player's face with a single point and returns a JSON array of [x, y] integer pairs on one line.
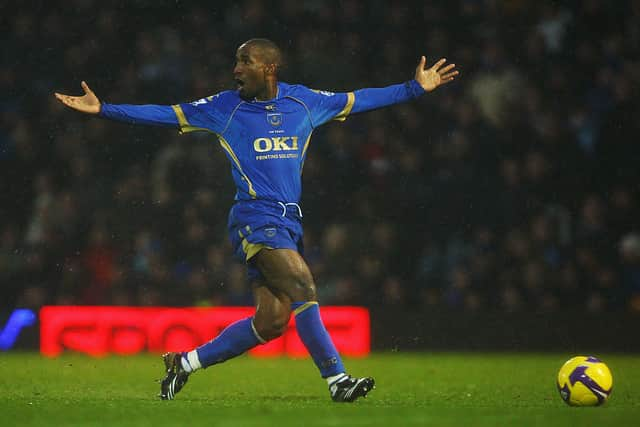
[[249, 72]]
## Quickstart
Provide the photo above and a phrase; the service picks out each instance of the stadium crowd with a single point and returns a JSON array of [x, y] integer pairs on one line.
[[517, 187]]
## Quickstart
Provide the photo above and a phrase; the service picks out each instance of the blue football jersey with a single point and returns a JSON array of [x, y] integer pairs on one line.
[[265, 141]]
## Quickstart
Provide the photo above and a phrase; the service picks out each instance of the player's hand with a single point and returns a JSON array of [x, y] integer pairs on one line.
[[431, 78], [87, 103]]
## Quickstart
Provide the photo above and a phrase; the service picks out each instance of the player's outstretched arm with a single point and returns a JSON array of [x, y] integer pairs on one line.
[[87, 103], [425, 80], [157, 115], [437, 75]]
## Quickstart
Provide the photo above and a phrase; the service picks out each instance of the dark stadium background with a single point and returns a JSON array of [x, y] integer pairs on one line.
[[499, 212]]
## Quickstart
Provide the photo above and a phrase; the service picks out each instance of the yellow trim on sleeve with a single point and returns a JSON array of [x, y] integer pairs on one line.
[[185, 126], [304, 306], [188, 129], [182, 119], [225, 145], [251, 249], [342, 115]]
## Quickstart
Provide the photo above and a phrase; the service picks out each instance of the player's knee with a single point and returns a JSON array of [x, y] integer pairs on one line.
[[275, 330], [272, 328], [304, 288]]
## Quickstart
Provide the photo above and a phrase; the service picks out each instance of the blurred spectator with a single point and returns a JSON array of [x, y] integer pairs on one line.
[[514, 189], [100, 263], [630, 255]]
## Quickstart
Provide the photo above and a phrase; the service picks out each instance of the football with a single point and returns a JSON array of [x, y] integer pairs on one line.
[[584, 381]]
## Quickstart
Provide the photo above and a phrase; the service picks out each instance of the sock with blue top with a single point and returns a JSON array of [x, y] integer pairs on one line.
[[316, 339], [234, 340]]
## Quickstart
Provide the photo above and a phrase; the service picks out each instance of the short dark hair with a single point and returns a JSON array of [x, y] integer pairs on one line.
[[269, 51]]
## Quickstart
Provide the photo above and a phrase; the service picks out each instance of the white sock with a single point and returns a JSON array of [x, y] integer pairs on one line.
[[191, 362], [335, 378]]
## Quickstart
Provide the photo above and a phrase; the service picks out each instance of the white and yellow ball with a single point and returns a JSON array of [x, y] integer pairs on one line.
[[584, 381]]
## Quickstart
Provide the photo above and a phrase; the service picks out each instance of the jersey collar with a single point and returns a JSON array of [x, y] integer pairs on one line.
[[272, 99]]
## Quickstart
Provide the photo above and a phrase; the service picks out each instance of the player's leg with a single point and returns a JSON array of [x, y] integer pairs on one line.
[[286, 272], [273, 310], [269, 322], [234, 340]]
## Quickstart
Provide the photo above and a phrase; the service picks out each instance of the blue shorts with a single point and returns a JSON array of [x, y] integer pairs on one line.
[[257, 224]]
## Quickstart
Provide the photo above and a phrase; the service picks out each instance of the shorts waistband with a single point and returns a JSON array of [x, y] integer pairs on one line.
[[279, 208], [290, 204]]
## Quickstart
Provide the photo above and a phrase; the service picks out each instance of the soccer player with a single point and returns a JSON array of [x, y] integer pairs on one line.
[[264, 126]]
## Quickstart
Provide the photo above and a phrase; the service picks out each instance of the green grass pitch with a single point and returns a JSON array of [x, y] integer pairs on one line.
[[413, 389]]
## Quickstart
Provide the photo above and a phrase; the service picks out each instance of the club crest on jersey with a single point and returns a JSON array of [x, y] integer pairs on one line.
[[274, 119]]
